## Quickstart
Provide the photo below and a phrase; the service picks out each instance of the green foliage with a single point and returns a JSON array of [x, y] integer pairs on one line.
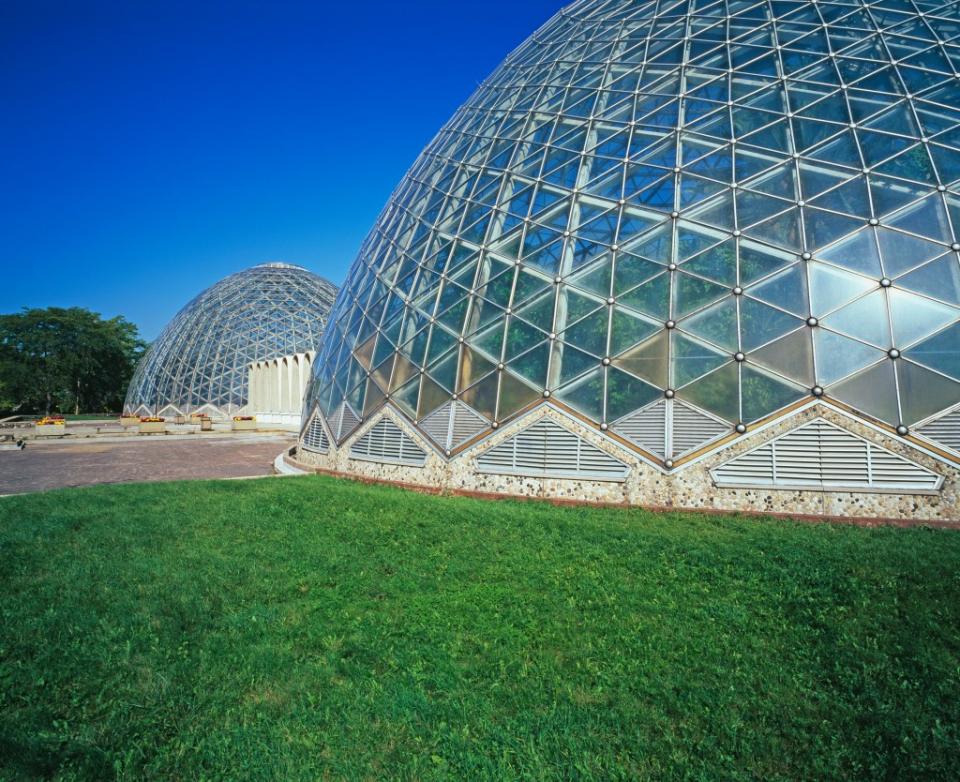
[[320, 629], [65, 360]]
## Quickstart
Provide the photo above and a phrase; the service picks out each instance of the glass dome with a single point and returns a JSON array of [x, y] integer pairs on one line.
[[200, 359], [736, 205]]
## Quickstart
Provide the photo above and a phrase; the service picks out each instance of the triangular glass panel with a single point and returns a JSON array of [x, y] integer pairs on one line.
[[718, 263], [432, 396], [482, 396], [632, 270], [830, 287], [865, 319], [841, 150], [539, 311], [625, 393], [515, 395], [520, 337], [717, 324], [651, 298], [648, 360], [754, 208], [589, 333], [596, 278], [939, 279], [786, 289], [915, 317], [627, 329], [473, 367], [761, 323], [691, 359], [585, 394], [717, 393], [901, 252], [569, 363], [839, 356], [857, 252], [890, 194], [927, 218], [763, 394], [533, 364], [940, 352], [824, 228], [924, 393], [913, 164], [873, 391], [656, 245], [790, 356], [691, 293], [757, 261], [783, 230]]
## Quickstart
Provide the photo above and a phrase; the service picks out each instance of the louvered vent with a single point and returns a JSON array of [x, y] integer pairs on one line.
[[692, 429], [646, 428], [546, 450], [343, 421], [315, 438], [823, 456], [386, 442], [670, 428], [453, 424], [944, 430]]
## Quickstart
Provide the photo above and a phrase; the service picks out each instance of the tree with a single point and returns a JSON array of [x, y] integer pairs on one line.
[[65, 360]]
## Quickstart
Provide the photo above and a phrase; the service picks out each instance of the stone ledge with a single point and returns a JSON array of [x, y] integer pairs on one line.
[[565, 502]]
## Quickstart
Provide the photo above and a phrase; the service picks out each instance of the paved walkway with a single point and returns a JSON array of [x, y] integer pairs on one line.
[[54, 465]]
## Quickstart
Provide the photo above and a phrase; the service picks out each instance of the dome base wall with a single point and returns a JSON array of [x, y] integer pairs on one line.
[[691, 487]]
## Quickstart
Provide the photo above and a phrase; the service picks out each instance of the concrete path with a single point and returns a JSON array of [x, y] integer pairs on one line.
[[62, 463]]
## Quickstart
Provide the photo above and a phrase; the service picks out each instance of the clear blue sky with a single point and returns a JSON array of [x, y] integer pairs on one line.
[[149, 149]]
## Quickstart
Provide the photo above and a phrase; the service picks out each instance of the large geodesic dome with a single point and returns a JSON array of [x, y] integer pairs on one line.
[[674, 223], [200, 360]]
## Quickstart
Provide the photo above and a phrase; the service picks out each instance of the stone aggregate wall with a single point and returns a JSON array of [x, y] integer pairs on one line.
[[688, 486]]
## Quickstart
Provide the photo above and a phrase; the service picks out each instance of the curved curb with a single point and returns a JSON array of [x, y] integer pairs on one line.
[[282, 468]]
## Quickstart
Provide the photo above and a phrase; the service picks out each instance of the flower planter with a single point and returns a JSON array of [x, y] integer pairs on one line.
[[244, 424], [129, 420], [206, 425], [153, 427], [50, 429]]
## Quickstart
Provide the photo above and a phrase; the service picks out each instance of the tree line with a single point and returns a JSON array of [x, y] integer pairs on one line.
[[65, 360]]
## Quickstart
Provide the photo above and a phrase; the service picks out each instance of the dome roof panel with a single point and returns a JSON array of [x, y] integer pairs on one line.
[[643, 166], [201, 357]]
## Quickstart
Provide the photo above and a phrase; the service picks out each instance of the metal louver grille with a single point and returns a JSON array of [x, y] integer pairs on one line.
[[945, 430], [453, 424], [315, 438], [646, 428], [691, 429], [465, 424], [547, 450], [670, 428], [343, 421], [823, 456], [386, 442]]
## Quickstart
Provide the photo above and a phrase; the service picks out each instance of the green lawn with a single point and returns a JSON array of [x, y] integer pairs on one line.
[[309, 628]]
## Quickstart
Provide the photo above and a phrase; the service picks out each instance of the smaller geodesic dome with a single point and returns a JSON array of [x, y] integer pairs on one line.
[[200, 362]]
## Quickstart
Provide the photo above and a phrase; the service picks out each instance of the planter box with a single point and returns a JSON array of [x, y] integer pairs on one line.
[[197, 419], [244, 426], [129, 420], [49, 430], [153, 427], [206, 425]]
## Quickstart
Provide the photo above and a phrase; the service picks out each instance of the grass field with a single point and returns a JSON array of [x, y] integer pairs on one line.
[[308, 628]]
